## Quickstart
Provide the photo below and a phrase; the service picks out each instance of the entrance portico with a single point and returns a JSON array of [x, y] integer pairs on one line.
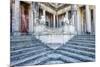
[[51, 19]]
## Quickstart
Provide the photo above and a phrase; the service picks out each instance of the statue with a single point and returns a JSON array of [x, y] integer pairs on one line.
[[41, 26], [68, 27], [66, 20], [24, 20], [42, 20]]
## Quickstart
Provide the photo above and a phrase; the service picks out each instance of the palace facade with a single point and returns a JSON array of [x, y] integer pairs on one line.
[[26, 16]]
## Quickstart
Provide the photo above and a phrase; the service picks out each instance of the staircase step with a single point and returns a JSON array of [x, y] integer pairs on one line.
[[80, 47], [25, 55], [16, 63], [15, 44], [44, 58], [80, 57], [85, 35], [87, 41], [31, 51], [55, 56], [80, 43], [77, 51], [24, 46], [54, 62], [16, 52]]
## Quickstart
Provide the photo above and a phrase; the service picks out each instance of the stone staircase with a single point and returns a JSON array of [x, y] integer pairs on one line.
[[31, 51]]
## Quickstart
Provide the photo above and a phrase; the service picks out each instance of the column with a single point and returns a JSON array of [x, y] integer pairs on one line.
[[30, 19], [54, 21], [16, 15], [12, 17], [57, 21], [43, 12], [34, 16], [74, 16], [94, 18], [67, 28], [88, 18], [78, 22], [67, 17], [72, 13], [44, 15], [67, 14]]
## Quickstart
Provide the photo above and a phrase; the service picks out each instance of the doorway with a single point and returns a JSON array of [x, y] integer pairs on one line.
[[24, 27]]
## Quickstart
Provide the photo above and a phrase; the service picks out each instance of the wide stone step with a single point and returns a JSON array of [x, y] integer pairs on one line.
[[21, 43], [23, 39], [83, 40], [25, 46], [48, 61], [17, 38], [18, 62], [80, 47], [81, 43], [88, 42], [77, 51], [33, 52], [20, 40], [92, 39], [25, 55], [55, 56], [85, 36], [16, 52], [80, 57], [54, 62], [17, 47], [44, 58]]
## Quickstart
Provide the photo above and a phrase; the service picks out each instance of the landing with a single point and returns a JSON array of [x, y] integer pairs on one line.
[[54, 41]]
